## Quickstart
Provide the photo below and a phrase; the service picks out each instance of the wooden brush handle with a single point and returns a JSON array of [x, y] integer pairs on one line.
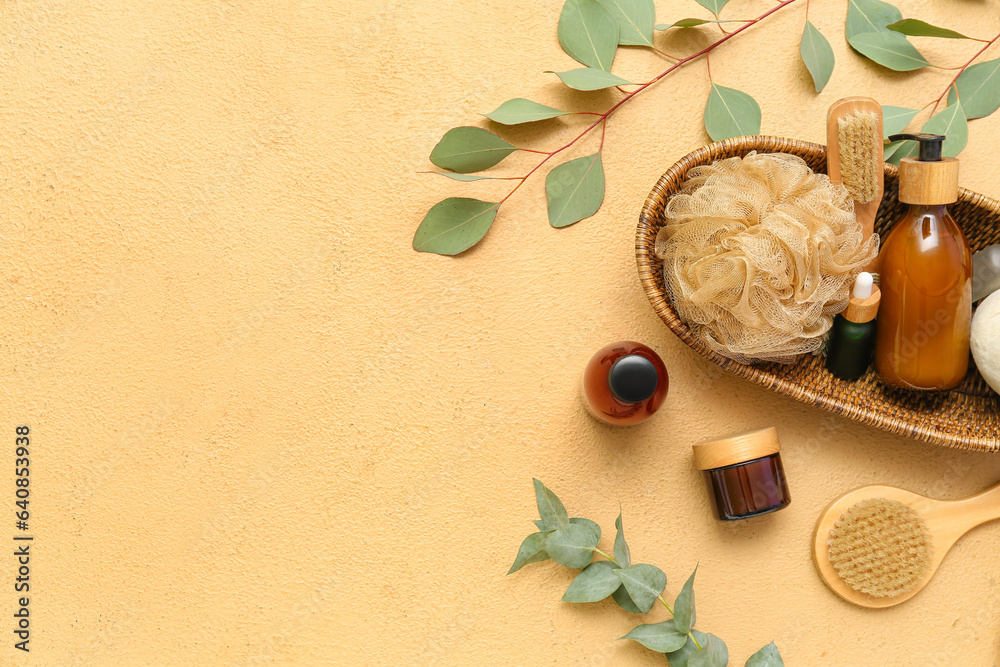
[[865, 214], [980, 508]]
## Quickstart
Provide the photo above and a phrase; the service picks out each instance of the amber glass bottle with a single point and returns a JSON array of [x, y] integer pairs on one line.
[[624, 383], [922, 339]]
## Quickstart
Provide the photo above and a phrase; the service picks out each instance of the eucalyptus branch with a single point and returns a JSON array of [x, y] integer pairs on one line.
[[574, 189], [590, 31], [961, 70], [680, 63], [635, 587], [609, 558]]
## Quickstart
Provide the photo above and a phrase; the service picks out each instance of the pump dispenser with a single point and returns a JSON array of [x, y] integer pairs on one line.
[[922, 338]]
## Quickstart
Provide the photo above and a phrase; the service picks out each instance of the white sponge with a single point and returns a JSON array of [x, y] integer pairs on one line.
[[985, 340]]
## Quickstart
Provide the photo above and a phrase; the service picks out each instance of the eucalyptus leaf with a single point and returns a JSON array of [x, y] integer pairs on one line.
[[917, 28], [979, 89], [662, 637], [713, 653], [465, 149], [684, 613], [594, 583], [532, 550], [572, 545], [684, 23], [894, 151], [588, 78], [622, 554], [575, 190], [766, 657], [731, 113], [817, 55], [895, 119], [588, 33], [594, 528], [550, 508], [520, 110], [869, 16], [625, 601], [889, 49], [953, 125], [679, 658], [461, 177], [714, 6], [454, 225], [635, 20], [644, 584], [539, 524]]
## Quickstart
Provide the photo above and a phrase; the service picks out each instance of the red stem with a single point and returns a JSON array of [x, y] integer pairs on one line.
[[628, 96], [989, 43], [664, 53]]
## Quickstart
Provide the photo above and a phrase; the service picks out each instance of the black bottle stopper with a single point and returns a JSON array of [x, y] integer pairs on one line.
[[930, 144], [633, 378]]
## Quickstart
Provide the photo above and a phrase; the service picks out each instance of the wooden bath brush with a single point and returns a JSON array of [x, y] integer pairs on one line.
[[880, 545], [854, 157]]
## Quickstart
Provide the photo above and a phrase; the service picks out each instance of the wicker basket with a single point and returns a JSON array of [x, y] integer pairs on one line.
[[967, 417]]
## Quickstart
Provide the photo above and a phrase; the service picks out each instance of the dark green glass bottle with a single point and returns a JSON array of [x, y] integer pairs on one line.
[[852, 337]]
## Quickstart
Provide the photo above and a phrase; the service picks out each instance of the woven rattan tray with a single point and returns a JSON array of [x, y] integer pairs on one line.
[[967, 417]]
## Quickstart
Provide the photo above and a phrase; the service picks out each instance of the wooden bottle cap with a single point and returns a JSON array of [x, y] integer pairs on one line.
[[928, 182], [738, 448], [860, 311]]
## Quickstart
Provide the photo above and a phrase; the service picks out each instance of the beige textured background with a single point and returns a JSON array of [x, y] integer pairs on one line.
[[268, 432]]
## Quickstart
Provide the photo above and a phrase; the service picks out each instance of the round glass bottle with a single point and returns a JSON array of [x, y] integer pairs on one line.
[[624, 383]]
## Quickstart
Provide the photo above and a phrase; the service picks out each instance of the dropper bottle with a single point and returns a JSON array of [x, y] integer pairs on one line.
[[852, 337], [922, 339]]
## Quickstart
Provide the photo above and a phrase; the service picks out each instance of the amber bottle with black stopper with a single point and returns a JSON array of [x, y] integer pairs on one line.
[[925, 267], [852, 337], [624, 383]]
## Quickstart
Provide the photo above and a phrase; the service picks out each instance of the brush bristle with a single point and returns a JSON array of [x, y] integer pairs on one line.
[[880, 547], [860, 147]]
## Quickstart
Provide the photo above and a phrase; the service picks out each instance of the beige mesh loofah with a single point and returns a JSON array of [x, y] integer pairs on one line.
[[759, 254]]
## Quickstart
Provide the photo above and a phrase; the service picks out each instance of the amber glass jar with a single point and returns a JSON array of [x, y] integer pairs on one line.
[[624, 383], [744, 474]]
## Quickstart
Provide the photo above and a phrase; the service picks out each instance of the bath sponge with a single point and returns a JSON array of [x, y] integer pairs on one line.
[[985, 341], [759, 253]]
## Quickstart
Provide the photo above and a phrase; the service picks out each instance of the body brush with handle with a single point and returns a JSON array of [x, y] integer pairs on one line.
[[878, 546], [854, 156]]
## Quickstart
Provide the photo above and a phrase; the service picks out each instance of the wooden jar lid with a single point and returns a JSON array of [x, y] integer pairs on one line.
[[860, 311], [928, 182], [738, 448]]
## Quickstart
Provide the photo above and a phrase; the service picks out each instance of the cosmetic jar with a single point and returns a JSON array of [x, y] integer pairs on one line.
[[744, 474]]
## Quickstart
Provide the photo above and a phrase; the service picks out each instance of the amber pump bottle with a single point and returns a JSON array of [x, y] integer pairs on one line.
[[925, 275]]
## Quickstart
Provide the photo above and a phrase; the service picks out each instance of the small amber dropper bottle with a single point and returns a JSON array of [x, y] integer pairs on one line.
[[925, 274]]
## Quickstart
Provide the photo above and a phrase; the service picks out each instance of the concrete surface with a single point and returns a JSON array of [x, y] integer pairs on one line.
[[265, 431]]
